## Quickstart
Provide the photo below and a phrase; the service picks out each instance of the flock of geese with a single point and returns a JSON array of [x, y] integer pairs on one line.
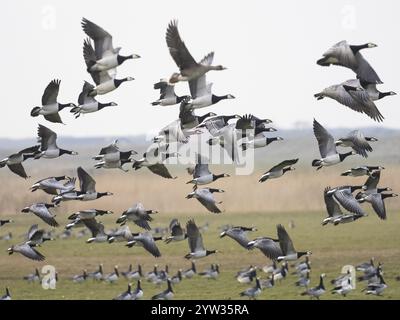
[[231, 132]]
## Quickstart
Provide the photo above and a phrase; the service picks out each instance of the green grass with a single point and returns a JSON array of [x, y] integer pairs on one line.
[[332, 247]]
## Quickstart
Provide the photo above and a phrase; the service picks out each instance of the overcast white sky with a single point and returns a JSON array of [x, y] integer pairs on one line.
[[269, 47]]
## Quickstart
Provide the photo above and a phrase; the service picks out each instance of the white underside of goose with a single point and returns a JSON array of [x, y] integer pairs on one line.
[[202, 102], [106, 63], [89, 107], [105, 87], [49, 109], [330, 160]]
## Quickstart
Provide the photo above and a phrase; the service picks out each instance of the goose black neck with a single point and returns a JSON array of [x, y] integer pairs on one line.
[[217, 176], [354, 188], [321, 283], [356, 48], [62, 106], [140, 270], [194, 267], [215, 99], [27, 156], [208, 252], [170, 286], [103, 105], [286, 169], [384, 94], [121, 59], [63, 151], [117, 82], [301, 253], [181, 98], [201, 118], [139, 285], [101, 194], [343, 156]]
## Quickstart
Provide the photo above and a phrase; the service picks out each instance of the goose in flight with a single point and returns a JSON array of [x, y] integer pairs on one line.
[[202, 174], [87, 103], [105, 80], [112, 157], [349, 56], [14, 161], [201, 91], [139, 215], [377, 202], [177, 232], [206, 198], [27, 251], [344, 196], [153, 158], [362, 171], [54, 185], [279, 170], [239, 234], [168, 96], [147, 241], [195, 240], [188, 118], [357, 141], [50, 107], [36, 236], [268, 246], [97, 230], [106, 56], [48, 144], [327, 148], [188, 67], [87, 190], [353, 95], [288, 251], [42, 211]]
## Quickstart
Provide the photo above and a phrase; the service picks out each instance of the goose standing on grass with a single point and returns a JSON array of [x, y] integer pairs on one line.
[[344, 288], [279, 170], [88, 104], [189, 273], [239, 234], [286, 244], [317, 291], [327, 148], [304, 281], [167, 294], [202, 175], [153, 160], [48, 144], [268, 246], [206, 198], [107, 57], [79, 278], [3, 222], [50, 106], [147, 241], [105, 79], [98, 274], [376, 288], [113, 276], [138, 293], [14, 161], [362, 171], [377, 202], [211, 273], [139, 215], [177, 232], [42, 211], [168, 96], [7, 296], [177, 278], [195, 241], [134, 274], [54, 185], [126, 295], [351, 94], [247, 275], [349, 56], [188, 67], [253, 292], [33, 277], [357, 141], [27, 251]]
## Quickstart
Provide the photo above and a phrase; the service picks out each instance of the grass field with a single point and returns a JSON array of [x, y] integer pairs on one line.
[[332, 247]]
